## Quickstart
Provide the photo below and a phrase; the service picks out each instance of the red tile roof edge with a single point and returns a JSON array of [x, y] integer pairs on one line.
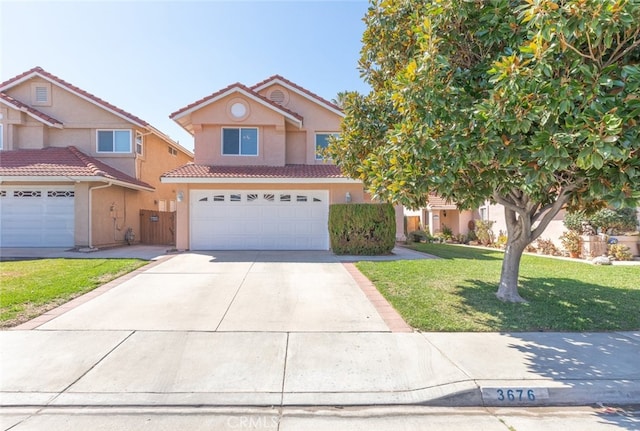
[[229, 87], [298, 87], [192, 170], [21, 106], [40, 71], [95, 167]]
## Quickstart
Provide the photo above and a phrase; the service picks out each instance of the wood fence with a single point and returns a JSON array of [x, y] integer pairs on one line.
[[157, 227]]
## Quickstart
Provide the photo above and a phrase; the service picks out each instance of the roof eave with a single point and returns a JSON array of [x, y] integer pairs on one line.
[[179, 115], [70, 179], [256, 180], [71, 90], [301, 93]]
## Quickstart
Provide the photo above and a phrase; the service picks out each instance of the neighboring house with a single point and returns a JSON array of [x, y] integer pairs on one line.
[[75, 171], [440, 213], [259, 179]]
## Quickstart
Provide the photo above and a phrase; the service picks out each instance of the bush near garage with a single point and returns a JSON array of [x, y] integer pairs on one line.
[[362, 229]]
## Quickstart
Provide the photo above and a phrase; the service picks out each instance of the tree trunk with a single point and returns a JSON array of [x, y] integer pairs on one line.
[[508, 288]]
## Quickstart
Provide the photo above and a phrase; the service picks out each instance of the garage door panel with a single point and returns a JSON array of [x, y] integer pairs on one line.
[[37, 216], [266, 220]]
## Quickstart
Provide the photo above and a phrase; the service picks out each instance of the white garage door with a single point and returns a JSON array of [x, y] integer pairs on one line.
[[37, 217], [259, 220]]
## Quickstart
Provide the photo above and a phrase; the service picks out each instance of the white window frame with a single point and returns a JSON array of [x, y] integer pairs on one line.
[[315, 143], [139, 143], [162, 205], [114, 143], [1, 136], [222, 129]]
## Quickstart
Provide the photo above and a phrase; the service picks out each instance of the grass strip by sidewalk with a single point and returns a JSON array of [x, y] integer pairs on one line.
[[457, 292], [29, 288]]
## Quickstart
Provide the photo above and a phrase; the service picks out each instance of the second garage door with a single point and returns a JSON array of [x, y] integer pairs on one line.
[[259, 220]]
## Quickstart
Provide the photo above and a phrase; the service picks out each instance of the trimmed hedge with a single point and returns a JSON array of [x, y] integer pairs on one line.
[[362, 229]]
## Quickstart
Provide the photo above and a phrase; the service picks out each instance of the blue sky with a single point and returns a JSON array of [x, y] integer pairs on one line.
[[152, 58]]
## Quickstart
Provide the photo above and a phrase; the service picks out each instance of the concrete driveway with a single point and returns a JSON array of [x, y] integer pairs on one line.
[[232, 291]]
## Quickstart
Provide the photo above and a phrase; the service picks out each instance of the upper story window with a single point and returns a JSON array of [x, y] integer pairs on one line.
[[172, 151], [139, 143], [114, 141], [322, 142], [242, 141]]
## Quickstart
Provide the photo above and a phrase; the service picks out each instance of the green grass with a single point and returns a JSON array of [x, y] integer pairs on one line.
[[28, 288], [457, 293]]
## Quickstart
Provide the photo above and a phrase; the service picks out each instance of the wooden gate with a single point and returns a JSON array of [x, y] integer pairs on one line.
[[157, 227]]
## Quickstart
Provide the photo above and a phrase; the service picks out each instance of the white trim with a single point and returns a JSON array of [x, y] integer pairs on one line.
[[240, 142], [114, 141], [71, 179], [244, 180], [1, 136], [297, 91], [232, 90], [135, 143], [32, 115], [80, 95]]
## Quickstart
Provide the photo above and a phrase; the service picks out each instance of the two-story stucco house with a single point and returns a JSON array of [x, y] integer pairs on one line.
[[76, 170], [259, 179]]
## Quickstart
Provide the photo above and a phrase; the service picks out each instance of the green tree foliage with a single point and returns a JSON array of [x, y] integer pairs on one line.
[[532, 104]]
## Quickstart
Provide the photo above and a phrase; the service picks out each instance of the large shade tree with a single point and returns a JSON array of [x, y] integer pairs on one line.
[[530, 104]]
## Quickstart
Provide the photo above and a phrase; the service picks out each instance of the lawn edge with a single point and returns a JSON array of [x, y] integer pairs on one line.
[[79, 300]]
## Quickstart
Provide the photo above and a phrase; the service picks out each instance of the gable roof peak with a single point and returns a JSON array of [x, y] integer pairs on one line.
[[279, 79]]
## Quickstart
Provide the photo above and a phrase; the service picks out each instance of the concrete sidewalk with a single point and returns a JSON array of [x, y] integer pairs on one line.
[[290, 329], [186, 368]]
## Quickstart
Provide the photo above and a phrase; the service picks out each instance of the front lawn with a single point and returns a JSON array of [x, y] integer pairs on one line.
[[29, 288], [457, 292]]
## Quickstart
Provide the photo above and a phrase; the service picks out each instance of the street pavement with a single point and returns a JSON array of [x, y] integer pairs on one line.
[[286, 331]]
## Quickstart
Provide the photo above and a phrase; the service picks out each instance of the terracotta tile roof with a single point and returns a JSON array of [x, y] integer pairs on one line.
[[288, 171], [60, 162], [437, 202], [262, 84], [43, 73], [230, 87], [16, 104]]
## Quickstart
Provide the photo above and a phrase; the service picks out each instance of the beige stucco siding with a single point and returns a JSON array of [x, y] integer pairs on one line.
[[211, 119], [316, 119], [296, 147]]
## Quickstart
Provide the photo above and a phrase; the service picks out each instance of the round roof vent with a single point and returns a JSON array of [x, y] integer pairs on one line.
[[277, 96]]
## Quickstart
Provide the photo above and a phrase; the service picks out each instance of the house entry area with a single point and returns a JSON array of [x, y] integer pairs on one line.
[[259, 220]]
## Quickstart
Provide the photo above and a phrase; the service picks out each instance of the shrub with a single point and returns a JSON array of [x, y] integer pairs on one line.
[[419, 236], [546, 246], [620, 252], [484, 232], [606, 220], [501, 242], [573, 221], [572, 242], [447, 233], [362, 229]]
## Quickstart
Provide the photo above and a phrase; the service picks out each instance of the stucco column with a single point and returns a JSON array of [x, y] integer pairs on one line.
[[182, 217], [400, 236]]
